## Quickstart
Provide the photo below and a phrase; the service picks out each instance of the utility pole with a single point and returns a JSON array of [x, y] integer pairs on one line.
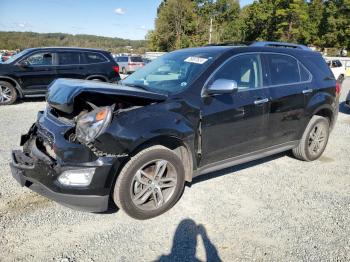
[[210, 29]]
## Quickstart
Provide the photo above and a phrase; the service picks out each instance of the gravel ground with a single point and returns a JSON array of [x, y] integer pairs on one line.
[[274, 209]]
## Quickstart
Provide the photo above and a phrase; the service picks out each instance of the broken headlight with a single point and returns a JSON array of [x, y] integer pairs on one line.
[[92, 124]]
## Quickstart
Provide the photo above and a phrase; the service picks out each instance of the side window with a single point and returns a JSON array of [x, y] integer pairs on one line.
[[68, 58], [283, 69], [93, 58], [244, 69], [40, 59]]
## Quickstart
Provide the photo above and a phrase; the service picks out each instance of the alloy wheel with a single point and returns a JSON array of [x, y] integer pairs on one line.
[[153, 184], [317, 139], [5, 94]]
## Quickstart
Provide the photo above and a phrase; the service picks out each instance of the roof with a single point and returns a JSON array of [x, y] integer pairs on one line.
[[65, 48]]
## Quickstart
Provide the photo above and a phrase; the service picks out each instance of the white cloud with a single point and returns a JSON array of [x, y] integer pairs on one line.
[[119, 11], [142, 28], [22, 25]]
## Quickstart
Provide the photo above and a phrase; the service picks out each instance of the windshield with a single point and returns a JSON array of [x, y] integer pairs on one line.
[[14, 57], [173, 72]]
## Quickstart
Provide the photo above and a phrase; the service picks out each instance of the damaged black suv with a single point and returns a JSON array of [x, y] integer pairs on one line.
[[188, 113]]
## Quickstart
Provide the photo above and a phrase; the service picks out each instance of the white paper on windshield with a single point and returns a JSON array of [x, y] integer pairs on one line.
[[196, 60]]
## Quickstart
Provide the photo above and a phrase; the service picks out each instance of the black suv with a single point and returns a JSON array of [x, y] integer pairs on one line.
[[189, 112], [30, 72]]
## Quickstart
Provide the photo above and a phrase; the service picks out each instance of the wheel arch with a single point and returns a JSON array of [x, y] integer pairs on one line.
[[326, 111], [15, 84], [180, 147]]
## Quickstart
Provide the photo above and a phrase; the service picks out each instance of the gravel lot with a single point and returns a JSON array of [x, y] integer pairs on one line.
[[275, 209]]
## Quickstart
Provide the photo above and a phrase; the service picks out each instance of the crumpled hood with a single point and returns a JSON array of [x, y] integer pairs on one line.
[[62, 92]]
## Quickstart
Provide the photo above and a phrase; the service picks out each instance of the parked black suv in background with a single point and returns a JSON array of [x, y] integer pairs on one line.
[[31, 71], [189, 112]]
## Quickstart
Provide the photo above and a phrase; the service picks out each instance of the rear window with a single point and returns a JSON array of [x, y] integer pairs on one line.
[[122, 59], [283, 69], [136, 59], [68, 58], [93, 58]]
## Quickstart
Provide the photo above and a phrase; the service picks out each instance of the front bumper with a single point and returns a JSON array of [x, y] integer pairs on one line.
[[37, 169], [89, 203]]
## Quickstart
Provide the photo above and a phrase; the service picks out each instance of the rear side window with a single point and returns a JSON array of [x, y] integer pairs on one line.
[[136, 59], [68, 58], [283, 69], [93, 58], [304, 73]]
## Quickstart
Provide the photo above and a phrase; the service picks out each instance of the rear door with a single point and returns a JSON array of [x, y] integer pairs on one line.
[[289, 85], [39, 72], [70, 65], [235, 124]]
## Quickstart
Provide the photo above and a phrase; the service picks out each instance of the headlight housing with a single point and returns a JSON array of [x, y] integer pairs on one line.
[[92, 124]]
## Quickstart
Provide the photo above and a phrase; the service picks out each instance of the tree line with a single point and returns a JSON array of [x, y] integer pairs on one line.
[[22, 40], [186, 23]]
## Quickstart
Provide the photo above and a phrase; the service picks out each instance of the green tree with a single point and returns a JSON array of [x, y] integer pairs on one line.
[[335, 25], [174, 26], [292, 21]]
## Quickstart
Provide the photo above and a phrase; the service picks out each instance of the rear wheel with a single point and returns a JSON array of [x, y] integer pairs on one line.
[[124, 71], [314, 140], [8, 93], [150, 183]]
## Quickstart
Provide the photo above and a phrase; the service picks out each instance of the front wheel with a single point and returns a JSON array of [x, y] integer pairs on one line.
[[314, 140], [8, 94], [150, 183]]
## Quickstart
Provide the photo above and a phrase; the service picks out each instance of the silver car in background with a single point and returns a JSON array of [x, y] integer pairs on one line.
[[130, 63]]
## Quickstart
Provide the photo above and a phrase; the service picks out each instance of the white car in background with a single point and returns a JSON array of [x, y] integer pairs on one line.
[[338, 69]]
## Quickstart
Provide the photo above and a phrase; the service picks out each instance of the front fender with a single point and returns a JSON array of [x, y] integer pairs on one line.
[[131, 129]]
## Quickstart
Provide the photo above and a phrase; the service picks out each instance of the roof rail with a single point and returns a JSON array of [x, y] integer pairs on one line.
[[280, 44]]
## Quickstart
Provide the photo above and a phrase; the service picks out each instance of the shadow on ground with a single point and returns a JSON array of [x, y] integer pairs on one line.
[[185, 243]]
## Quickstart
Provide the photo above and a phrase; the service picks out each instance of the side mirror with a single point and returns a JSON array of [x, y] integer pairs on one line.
[[24, 64], [222, 86]]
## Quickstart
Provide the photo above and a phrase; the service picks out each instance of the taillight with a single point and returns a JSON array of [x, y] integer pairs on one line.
[[132, 64], [116, 69], [337, 88]]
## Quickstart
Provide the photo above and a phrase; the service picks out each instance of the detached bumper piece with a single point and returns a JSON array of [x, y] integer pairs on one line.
[[41, 177]]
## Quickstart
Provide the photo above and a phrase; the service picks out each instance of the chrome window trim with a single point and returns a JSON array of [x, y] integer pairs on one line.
[[263, 86]]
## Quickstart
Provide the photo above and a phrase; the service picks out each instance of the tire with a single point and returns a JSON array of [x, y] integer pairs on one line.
[[128, 191], [124, 71], [307, 150], [8, 93]]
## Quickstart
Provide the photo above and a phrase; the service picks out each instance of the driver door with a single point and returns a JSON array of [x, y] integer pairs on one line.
[[37, 72], [235, 123]]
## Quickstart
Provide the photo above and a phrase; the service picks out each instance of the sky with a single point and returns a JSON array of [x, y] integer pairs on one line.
[[130, 19]]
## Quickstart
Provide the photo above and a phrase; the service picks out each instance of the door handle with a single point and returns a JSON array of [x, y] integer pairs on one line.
[[307, 91], [261, 101]]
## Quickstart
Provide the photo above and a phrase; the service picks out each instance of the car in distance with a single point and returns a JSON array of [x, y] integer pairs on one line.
[[338, 69], [30, 72], [188, 113], [129, 63]]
